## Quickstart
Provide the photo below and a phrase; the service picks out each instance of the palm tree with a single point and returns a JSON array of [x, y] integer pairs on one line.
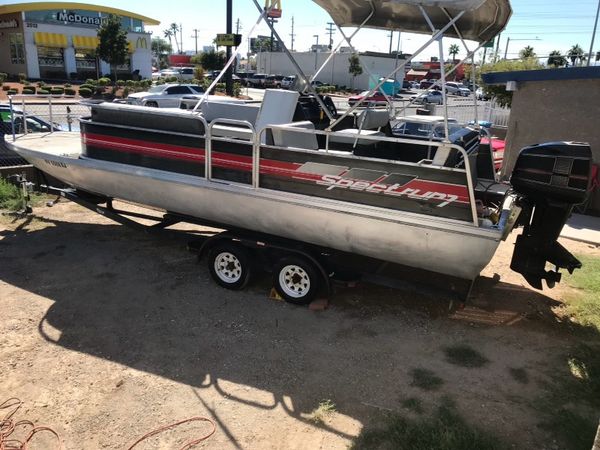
[[454, 49], [556, 59], [575, 53], [174, 28], [527, 52], [169, 35]]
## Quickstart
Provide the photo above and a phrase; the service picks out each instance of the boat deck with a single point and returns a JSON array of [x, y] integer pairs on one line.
[[60, 143]]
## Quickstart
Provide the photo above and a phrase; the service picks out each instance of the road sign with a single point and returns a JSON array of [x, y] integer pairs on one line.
[[229, 40]]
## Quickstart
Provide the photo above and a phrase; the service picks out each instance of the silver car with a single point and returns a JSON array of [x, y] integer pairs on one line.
[[164, 95]]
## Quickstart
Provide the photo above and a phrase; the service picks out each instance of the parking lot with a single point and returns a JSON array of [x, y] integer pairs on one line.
[[108, 333]]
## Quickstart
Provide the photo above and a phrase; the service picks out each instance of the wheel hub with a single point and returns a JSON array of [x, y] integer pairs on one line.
[[294, 281], [228, 267]]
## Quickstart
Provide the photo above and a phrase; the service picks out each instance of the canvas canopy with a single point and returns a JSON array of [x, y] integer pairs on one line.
[[482, 21]]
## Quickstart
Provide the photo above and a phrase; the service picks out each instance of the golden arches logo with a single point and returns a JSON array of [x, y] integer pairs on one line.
[[141, 43], [273, 8]]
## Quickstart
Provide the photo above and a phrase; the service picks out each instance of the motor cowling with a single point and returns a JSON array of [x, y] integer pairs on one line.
[[549, 180]]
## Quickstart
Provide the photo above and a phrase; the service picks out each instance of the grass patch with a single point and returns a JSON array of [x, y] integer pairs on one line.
[[444, 430], [11, 197], [583, 306], [519, 374], [413, 404], [325, 409], [426, 379], [465, 356]]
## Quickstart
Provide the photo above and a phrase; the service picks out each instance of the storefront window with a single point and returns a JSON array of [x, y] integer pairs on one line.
[[86, 63], [17, 50], [51, 61]]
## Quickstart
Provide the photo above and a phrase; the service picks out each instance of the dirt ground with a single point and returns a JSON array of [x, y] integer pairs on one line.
[[107, 333]]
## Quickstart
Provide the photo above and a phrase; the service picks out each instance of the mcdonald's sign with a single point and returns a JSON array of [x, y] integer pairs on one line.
[[273, 8], [141, 42]]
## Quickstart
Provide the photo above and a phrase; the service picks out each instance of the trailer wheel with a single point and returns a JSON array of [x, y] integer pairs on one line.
[[229, 265], [296, 280]]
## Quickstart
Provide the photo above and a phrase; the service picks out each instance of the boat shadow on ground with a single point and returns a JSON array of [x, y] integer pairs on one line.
[[145, 303]]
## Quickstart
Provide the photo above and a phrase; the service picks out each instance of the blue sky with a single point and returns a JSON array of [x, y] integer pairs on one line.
[[546, 25]]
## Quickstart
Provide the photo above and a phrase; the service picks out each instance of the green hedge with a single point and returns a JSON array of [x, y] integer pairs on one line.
[[57, 91], [12, 92], [29, 90], [85, 92], [70, 91], [43, 92]]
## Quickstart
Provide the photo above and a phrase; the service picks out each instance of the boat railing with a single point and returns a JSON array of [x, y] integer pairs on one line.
[[57, 111], [258, 138], [250, 138]]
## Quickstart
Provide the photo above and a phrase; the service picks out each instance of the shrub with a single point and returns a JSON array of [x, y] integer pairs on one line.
[[40, 84], [171, 79], [3, 76], [85, 92], [22, 76], [87, 86], [125, 92], [198, 72], [113, 90], [43, 92], [12, 92], [237, 89], [67, 85], [5, 87], [91, 82], [103, 81], [26, 83], [130, 83], [28, 90], [57, 91], [120, 82], [69, 91]]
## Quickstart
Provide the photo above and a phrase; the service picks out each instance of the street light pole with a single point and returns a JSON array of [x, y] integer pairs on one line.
[[509, 39], [228, 73], [594, 34]]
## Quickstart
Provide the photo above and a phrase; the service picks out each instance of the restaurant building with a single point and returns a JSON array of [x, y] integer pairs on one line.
[[57, 40]]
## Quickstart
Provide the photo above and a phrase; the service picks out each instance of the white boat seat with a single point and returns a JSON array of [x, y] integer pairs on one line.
[[218, 110], [369, 122], [233, 132], [294, 139]]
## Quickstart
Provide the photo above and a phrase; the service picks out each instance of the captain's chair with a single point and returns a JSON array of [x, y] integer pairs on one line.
[[369, 122]]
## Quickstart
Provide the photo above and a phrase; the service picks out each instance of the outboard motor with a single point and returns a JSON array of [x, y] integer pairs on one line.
[[549, 179]]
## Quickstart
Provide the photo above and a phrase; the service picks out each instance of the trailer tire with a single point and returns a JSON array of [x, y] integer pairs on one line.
[[229, 265], [296, 279]]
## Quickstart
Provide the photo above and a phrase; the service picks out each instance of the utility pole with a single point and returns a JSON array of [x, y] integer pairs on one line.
[[330, 32], [594, 34], [273, 21], [316, 50], [238, 26], [228, 73], [181, 37], [292, 34], [391, 36], [195, 36]]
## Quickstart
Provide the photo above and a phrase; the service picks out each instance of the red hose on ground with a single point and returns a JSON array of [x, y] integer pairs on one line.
[[173, 425]]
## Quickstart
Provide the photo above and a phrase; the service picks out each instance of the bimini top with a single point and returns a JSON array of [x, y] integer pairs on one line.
[[482, 21]]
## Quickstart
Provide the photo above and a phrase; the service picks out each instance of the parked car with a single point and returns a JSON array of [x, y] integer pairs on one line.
[[257, 80], [452, 87], [426, 84], [34, 124], [423, 127], [288, 82], [317, 83], [186, 73], [430, 96], [464, 91], [164, 95], [244, 77], [377, 98], [274, 81], [481, 95], [169, 73]]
